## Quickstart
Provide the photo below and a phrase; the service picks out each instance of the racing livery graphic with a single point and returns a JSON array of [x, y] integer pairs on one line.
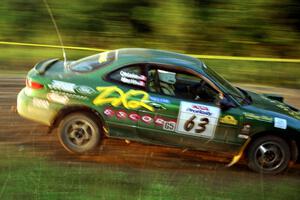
[[162, 98]]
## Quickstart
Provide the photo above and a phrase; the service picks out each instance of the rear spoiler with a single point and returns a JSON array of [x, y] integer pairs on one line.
[[42, 66]]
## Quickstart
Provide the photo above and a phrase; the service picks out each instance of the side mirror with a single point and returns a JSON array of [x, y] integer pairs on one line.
[[226, 104]]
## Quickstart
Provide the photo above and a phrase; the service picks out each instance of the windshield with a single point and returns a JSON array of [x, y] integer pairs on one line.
[[93, 62], [233, 91]]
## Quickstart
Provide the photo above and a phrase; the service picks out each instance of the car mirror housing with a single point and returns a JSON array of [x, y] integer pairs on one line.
[[226, 104]]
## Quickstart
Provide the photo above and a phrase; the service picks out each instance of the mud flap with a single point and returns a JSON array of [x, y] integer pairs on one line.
[[238, 156]]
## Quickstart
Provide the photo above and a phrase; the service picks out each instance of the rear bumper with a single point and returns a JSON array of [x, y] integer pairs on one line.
[[36, 109]]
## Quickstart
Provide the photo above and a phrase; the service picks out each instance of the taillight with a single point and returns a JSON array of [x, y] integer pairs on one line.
[[33, 85]]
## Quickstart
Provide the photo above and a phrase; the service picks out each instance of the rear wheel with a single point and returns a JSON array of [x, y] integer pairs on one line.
[[269, 154], [79, 132]]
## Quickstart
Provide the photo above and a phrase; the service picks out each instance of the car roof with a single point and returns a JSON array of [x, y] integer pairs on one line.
[[143, 55]]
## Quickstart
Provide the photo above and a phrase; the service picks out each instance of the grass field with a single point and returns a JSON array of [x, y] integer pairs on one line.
[[22, 59], [25, 175]]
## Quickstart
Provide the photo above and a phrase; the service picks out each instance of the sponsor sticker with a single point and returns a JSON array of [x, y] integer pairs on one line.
[[258, 117], [71, 88], [85, 90], [62, 99], [243, 136], [159, 99], [246, 129], [228, 119], [280, 123], [62, 86], [166, 124], [40, 103], [197, 109], [170, 125]]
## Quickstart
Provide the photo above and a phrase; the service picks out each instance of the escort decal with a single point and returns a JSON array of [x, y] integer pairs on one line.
[[166, 124]]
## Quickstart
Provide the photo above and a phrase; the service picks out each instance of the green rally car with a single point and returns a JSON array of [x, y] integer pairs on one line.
[[162, 98]]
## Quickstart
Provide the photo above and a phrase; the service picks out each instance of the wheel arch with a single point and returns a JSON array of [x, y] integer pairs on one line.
[[291, 138], [79, 108]]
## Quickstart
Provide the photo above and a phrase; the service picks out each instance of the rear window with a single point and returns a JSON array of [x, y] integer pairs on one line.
[[93, 62]]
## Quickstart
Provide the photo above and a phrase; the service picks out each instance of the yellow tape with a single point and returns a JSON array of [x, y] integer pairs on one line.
[[215, 57], [246, 58], [51, 46]]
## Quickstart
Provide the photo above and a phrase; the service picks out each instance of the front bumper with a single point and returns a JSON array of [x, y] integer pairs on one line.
[[36, 109]]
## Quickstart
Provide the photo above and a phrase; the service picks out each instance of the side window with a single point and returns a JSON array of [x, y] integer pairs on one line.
[[180, 84], [131, 75]]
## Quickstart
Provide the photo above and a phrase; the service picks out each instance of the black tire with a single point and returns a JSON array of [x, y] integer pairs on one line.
[[79, 132], [269, 154]]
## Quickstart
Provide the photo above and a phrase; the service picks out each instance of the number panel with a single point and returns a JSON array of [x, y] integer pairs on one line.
[[197, 119]]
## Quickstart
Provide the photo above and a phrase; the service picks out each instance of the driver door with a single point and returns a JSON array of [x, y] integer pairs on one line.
[[184, 114]]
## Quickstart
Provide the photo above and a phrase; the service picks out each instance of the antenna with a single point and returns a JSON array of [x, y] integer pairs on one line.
[[57, 32]]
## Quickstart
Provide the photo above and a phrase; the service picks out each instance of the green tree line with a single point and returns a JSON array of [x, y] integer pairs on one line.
[[231, 27]]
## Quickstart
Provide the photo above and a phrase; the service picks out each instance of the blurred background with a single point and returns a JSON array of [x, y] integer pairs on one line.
[[257, 28], [33, 165]]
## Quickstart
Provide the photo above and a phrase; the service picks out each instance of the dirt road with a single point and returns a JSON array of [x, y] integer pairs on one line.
[[25, 135]]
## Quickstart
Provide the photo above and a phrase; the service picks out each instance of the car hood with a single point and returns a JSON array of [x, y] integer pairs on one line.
[[265, 104]]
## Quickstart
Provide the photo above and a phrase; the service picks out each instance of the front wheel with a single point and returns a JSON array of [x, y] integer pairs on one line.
[[269, 154], [79, 132]]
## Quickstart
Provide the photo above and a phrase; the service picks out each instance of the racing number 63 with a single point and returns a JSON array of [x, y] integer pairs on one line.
[[189, 124]]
